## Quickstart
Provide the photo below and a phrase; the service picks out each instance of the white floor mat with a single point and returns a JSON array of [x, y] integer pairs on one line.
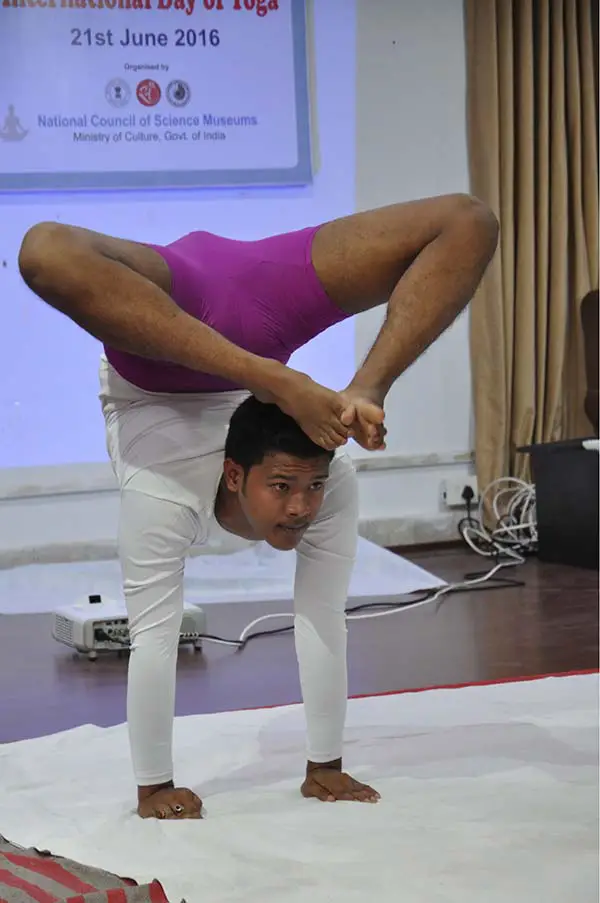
[[489, 794], [260, 574]]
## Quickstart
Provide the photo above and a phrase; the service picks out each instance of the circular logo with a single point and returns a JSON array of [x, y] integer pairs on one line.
[[148, 92], [117, 92], [178, 93]]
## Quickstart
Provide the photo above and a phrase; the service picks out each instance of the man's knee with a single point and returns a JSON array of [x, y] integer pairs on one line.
[[154, 538], [480, 213]]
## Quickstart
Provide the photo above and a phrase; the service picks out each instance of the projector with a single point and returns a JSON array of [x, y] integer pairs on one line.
[[96, 624]]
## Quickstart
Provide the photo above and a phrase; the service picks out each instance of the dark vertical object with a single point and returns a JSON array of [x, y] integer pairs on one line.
[[589, 324], [566, 486]]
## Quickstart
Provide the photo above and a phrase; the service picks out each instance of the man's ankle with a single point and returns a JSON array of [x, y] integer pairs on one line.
[[151, 789], [333, 765], [366, 390]]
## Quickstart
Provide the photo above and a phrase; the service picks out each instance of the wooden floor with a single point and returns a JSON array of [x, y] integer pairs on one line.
[[547, 625]]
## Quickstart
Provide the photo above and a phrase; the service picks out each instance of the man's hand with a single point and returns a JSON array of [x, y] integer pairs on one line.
[[330, 785], [167, 801]]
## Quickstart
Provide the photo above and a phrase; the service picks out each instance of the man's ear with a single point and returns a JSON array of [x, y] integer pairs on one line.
[[234, 475]]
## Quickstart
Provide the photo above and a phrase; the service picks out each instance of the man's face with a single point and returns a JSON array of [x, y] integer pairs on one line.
[[280, 497]]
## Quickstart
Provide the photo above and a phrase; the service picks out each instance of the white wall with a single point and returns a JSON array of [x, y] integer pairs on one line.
[[410, 142], [47, 359]]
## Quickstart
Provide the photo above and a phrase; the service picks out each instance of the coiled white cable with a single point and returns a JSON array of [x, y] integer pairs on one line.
[[512, 503]]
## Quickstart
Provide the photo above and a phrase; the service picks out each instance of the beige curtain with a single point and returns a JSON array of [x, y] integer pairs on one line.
[[532, 119]]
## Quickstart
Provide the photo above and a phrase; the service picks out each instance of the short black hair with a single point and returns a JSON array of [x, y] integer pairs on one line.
[[257, 429]]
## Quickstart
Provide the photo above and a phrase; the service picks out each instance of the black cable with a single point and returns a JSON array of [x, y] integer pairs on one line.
[[101, 634], [493, 583]]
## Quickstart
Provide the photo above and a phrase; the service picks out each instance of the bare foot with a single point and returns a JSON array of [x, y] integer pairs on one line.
[[365, 416], [168, 802]]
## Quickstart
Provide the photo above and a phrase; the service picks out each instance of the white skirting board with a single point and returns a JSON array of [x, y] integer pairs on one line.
[[260, 574], [71, 514], [488, 794], [22, 547]]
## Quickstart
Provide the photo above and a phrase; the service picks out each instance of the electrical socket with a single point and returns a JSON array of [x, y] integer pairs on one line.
[[452, 492]]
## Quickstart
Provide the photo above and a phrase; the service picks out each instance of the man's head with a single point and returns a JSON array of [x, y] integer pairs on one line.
[[273, 473]]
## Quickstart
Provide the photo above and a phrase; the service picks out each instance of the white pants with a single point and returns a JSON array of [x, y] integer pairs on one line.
[[167, 454]]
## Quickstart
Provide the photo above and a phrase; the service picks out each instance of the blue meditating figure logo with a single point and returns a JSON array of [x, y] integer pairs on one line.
[[12, 130]]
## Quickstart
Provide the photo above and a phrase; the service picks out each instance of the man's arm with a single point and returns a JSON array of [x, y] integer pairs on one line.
[[324, 564], [88, 277]]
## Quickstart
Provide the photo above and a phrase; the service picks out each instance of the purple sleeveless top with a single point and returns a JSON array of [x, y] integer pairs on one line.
[[263, 296]]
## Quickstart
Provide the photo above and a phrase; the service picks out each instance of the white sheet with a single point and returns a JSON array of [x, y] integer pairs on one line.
[[489, 794], [260, 574]]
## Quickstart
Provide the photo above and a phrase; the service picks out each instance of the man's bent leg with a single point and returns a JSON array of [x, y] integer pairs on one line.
[[424, 258], [360, 258], [154, 537]]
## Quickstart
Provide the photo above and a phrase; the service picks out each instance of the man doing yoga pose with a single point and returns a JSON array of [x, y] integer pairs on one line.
[[213, 436]]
